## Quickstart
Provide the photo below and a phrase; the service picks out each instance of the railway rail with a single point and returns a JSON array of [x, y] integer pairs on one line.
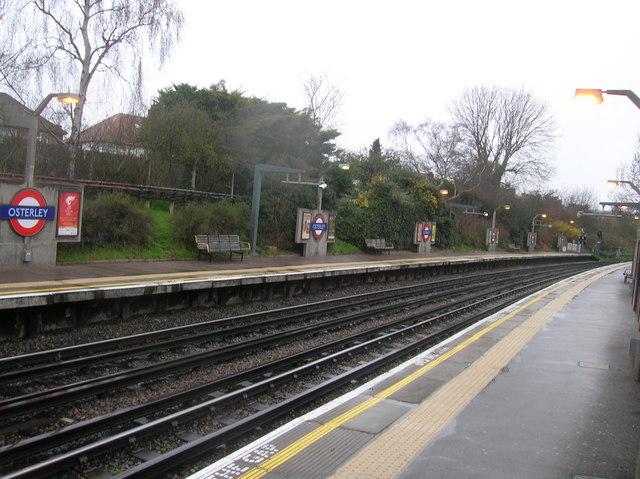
[[337, 343]]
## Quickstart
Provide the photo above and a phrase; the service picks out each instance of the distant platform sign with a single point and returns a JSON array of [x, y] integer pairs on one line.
[[318, 226]]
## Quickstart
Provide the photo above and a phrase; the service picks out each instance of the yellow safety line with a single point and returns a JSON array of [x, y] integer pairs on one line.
[[433, 415], [298, 446]]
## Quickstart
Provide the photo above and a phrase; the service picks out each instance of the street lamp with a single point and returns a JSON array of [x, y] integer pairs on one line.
[[492, 235], [532, 234], [322, 184], [533, 221], [626, 182], [493, 220], [594, 95], [32, 139]]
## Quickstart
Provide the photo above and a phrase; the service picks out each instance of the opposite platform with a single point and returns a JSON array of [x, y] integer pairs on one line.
[[92, 274], [544, 389]]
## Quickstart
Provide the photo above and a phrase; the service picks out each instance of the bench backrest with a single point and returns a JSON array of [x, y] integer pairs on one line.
[[217, 242], [376, 243]]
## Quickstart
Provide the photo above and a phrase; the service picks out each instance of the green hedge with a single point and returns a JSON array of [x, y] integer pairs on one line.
[[115, 220], [221, 217]]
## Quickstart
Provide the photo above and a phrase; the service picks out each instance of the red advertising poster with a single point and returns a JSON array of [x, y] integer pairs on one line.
[[306, 226], [68, 213], [418, 237]]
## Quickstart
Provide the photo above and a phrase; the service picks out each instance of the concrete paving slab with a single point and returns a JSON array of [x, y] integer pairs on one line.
[[565, 406]]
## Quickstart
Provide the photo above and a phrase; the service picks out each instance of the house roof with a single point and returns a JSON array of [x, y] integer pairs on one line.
[[119, 129], [14, 114]]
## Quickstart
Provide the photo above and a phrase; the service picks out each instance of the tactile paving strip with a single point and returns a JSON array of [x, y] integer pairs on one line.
[[393, 451]]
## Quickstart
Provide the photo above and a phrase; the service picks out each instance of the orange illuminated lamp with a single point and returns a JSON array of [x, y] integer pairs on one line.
[[592, 96], [68, 98]]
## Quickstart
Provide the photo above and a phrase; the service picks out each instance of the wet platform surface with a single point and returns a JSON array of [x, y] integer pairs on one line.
[[544, 389]]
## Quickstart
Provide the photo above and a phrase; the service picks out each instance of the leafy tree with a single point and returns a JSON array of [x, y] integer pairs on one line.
[[76, 41], [275, 134], [389, 200], [248, 131], [180, 133]]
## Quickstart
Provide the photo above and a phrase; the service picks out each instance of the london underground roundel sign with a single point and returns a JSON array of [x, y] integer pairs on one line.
[[27, 212], [426, 232], [318, 226]]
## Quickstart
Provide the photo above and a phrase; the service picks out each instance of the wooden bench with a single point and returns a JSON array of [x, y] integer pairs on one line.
[[378, 244], [514, 247], [214, 244]]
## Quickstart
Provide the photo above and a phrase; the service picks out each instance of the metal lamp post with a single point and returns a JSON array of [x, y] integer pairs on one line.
[[532, 235], [32, 139], [257, 186], [626, 182], [594, 95], [492, 244], [32, 142], [533, 221], [322, 184]]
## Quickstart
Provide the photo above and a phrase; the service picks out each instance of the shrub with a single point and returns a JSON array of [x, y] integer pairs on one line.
[[114, 220], [220, 217]]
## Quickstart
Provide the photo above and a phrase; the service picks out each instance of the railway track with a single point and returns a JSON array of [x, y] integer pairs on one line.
[[307, 353]]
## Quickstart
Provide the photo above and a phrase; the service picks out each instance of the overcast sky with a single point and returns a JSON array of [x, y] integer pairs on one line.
[[408, 60]]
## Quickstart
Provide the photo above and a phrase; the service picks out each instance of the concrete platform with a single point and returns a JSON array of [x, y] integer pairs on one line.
[[38, 298], [544, 389], [96, 272]]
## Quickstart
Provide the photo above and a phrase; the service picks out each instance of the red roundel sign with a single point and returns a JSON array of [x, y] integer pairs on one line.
[[426, 232], [27, 212], [318, 226]]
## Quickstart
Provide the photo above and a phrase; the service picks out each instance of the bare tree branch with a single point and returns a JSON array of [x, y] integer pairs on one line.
[[80, 39], [323, 101], [509, 131]]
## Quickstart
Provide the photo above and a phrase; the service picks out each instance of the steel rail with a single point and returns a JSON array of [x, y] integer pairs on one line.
[[23, 373], [172, 419], [56, 438], [69, 352], [50, 369], [45, 399], [201, 446]]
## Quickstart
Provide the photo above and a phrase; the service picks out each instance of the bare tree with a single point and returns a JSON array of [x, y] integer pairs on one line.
[[403, 140], [19, 56], [629, 172], [433, 148], [324, 101], [78, 40], [580, 199], [509, 133]]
